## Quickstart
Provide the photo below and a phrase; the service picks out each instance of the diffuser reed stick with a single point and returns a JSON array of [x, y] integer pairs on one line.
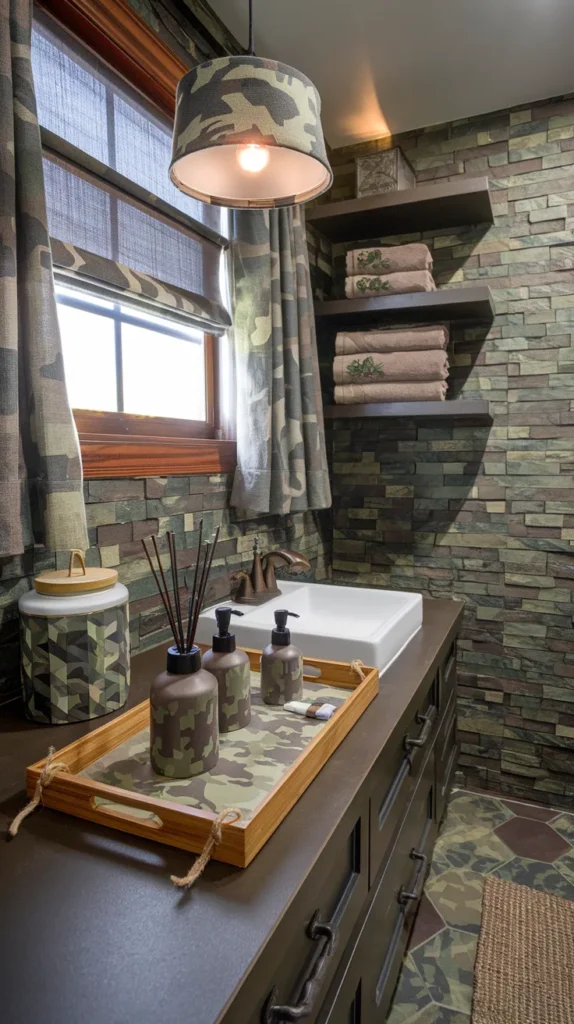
[[176, 597], [183, 638], [191, 606], [201, 595], [164, 597]]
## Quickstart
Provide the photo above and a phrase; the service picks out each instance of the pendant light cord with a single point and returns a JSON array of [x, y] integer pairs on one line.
[[251, 38]]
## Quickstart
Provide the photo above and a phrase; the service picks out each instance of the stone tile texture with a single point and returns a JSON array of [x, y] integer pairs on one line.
[[124, 511], [484, 513]]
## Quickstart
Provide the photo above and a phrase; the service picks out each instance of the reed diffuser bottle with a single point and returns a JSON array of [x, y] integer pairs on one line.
[[184, 732], [184, 729]]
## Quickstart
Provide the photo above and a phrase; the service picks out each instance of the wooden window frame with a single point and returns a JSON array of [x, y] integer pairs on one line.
[[118, 444]]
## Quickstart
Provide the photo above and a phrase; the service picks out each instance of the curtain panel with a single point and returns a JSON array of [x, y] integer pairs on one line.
[[281, 457], [41, 494]]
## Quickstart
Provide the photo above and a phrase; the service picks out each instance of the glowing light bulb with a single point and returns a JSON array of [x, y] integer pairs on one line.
[[253, 158]]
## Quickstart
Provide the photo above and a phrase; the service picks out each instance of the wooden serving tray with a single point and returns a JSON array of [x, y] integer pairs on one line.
[[145, 804]]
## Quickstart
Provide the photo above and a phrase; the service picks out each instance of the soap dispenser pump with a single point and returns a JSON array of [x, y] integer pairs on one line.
[[281, 664], [232, 670]]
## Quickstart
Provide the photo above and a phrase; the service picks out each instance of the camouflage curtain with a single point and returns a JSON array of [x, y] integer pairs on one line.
[[40, 469], [281, 458]]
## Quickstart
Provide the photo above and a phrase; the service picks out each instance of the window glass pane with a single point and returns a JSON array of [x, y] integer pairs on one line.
[[89, 358], [85, 297], [163, 376]]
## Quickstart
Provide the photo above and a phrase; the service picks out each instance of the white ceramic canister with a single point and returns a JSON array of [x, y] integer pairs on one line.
[[74, 629]]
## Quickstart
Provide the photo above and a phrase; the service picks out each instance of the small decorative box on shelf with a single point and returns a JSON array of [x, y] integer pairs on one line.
[[262, 770], [453, 408]]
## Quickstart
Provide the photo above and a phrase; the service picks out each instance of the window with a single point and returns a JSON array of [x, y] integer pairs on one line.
[[139, 269], [121, 359]]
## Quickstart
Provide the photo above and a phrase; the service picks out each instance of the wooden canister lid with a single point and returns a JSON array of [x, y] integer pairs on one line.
[[74, 579]]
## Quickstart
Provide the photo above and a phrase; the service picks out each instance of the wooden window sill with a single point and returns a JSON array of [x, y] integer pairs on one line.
[[115, 455]]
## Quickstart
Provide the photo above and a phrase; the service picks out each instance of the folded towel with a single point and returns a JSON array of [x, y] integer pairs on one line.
[[399, 391], [389, 259], [390, 284], [390, 366], [408, 339]]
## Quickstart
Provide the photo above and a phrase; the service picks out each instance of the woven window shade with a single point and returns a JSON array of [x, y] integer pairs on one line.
[[109, 130]]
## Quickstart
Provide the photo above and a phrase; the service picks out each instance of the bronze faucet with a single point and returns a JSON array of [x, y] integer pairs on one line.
[[260, 584]]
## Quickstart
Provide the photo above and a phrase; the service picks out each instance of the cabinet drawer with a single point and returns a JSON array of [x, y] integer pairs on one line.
[[363, 987], [445, 757], [396, 774], [321, 926], [394, 908], [447, 677]]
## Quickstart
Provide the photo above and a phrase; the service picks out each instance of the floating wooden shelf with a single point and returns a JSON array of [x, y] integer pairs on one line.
[[469, 303], [465, 201], [456, 407]]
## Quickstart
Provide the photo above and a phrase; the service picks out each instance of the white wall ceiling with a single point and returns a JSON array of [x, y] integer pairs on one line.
[[394, 65]]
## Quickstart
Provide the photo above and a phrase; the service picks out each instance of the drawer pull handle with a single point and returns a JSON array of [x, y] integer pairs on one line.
[[427, 722], [273, 1013], [405, 896]]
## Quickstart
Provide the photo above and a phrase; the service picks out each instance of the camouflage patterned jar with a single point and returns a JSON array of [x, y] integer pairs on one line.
[[184, 731], [74, 629]]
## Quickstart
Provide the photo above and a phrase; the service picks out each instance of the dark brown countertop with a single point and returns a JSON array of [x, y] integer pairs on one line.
[[92, 930]]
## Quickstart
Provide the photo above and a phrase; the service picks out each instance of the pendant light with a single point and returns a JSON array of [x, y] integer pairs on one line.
[[247, 133]]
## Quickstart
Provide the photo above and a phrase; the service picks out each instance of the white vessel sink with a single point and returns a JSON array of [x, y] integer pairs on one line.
[[336, 623]]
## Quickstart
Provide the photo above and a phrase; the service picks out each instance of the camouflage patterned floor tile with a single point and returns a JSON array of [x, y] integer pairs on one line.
[[537, 875], [474, 809], [450, 822], [530, 810], [469, 846], [564, 825], [446, 964], [565, 865], [457, 897], [435, 1014], [411, 995], [532, 840], [427, 923]]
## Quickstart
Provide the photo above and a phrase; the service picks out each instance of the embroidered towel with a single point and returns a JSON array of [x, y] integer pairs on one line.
[[398, 391], [389, 259], [417, 338], [366, 286], [391, 366]]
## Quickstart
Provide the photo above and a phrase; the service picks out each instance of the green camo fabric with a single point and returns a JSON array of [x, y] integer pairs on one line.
[[40, 468], [248, 99], [119, 278], [75, 667], [281, 458], [251, 760]]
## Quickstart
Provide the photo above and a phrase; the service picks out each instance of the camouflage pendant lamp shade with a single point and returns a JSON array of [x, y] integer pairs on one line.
[[247, 133]]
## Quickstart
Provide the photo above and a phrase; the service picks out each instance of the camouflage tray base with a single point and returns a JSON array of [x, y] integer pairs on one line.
[[251, 760]]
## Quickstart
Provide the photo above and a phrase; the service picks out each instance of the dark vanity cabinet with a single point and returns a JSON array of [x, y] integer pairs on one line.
[[313, 930], [408, 798], [344, 938]]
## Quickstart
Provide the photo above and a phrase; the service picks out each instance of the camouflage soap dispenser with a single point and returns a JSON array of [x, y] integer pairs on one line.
[[232, 670], [281, 664], [184, 733]]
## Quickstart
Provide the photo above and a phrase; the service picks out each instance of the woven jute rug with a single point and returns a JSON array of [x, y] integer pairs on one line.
[[524, 972]]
